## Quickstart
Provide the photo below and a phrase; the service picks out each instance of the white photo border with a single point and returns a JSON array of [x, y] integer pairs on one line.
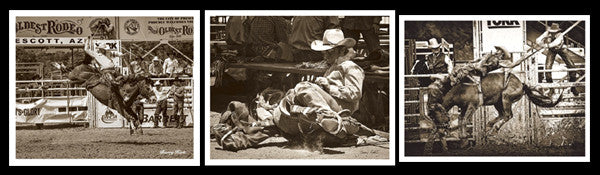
[[13, 161], [392, 150], [402, 158]]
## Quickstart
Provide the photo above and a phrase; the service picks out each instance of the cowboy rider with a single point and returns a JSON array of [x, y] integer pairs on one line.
[[84, 71]]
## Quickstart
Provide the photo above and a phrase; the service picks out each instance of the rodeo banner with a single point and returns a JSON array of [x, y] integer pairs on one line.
[[50, 41], [156, 28], [96, 27], [53, 110], [104, 117]]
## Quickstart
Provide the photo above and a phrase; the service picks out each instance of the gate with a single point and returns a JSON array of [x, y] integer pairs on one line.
[[416, 98]]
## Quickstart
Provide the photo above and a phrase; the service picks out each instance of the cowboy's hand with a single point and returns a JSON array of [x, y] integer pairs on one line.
[[322, 81]]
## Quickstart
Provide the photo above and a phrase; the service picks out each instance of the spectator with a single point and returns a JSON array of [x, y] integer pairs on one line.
[[264, 33], [368, 26], [305, 30], [553, 39], [235, 36], [168, 65], [175, 67], [178, 98], [156, 68], [161, 104]]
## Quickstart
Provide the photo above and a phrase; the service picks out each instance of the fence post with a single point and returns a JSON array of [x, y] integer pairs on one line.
[[69, 104]]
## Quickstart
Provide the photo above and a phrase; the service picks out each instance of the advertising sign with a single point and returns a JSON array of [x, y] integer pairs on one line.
[[50, 41], [53, 110], [96, 27], [156, 28], [509, 34]]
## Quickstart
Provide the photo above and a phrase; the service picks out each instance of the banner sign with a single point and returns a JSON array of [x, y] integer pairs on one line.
[[96, 27], [53, 110], [104, 117], [149, 117], [50, 41], [509, 34], [156, 28]]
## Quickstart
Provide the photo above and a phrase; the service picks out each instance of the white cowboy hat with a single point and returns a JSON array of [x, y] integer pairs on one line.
[[157, 83], [554, 28], [156, 58], [507, 55], [433, 44], [332, 38]]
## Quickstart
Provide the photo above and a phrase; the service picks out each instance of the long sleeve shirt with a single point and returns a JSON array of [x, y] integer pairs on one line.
[[267, 30], [345, 81], [163, 94], [168, 66], [101, 59], [552, 43]]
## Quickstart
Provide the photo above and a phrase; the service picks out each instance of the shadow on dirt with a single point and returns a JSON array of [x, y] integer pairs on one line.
[[48, 126], [139, 143]]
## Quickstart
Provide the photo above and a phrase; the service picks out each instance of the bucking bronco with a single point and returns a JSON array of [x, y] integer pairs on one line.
[[110, 88]]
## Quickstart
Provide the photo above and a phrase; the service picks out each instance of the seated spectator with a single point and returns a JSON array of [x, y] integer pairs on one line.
[[168, 65], [155, 69], [264, 33]]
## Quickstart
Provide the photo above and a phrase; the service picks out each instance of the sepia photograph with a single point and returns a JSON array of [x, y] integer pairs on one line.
[[300, 86], [103, 85], [504, 86]]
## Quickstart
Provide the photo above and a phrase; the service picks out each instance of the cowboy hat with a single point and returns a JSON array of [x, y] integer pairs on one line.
[[507, 55], [332, 38], [554, 28], [433, 44], [156, 59], [157, 83]]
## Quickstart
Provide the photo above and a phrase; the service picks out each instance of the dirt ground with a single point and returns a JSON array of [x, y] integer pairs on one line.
[[92, 143], [498, 150], [275, 148]]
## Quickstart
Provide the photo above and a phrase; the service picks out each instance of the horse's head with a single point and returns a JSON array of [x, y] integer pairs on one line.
[[145, 87], [140, 85]]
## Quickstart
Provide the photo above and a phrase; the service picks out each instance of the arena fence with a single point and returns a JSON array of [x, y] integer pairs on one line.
[[31, 91]]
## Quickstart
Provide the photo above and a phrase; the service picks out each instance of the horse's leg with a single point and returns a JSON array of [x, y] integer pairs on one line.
[[118, 105], [466, 116], [490, 125], [505, 111], [136, 120]]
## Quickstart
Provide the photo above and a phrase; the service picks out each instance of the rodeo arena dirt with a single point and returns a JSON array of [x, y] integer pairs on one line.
[[299, 87], [104, 87], [495, 88]]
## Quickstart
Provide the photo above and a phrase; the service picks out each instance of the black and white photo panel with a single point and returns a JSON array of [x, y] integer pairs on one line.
[[300, 88], [104, 88], [494, 88]]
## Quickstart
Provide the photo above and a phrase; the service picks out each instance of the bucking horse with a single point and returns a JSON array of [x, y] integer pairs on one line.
[[498, 89], [120, 97]]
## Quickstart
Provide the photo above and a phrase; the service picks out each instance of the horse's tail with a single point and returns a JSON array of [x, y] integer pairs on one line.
[[538, 98]]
